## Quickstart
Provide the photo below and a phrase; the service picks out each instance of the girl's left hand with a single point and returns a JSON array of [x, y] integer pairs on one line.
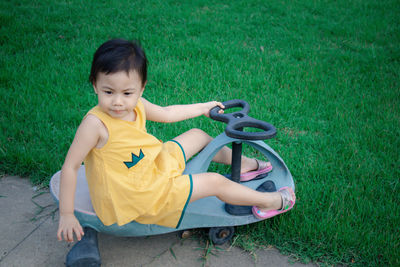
[[209, 105]]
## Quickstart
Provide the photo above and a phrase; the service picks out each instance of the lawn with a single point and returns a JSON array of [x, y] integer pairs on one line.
[[325, 73]]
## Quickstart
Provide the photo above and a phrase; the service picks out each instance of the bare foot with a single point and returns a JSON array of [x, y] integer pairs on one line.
[[253, 165], [274, 204], [287, 200]]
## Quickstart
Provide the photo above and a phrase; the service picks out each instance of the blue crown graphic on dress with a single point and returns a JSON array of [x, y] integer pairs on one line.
[[135, 159]]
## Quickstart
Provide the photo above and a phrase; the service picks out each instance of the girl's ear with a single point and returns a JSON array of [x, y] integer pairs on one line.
[[94, 88], [142, 90]]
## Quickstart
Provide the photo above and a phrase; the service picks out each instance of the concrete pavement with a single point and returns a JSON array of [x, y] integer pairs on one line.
[[28, 225]]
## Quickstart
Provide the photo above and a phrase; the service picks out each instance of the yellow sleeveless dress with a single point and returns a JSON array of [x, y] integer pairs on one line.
[[136, 177]]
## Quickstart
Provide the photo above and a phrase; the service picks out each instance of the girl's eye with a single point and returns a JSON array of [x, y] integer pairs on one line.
[[108, 92], [127, 94]]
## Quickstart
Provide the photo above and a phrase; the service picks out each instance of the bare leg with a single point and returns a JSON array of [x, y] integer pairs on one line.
[[194, 140], [214, 184]]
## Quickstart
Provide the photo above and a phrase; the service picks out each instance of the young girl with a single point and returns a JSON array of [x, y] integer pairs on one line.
[[131, 174]]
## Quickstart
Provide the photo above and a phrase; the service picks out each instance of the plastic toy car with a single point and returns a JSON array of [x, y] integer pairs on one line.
[[209, 212]]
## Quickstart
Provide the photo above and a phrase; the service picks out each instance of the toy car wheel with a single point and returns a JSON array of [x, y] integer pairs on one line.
[[85, 252], [221, 235], [184, 234]]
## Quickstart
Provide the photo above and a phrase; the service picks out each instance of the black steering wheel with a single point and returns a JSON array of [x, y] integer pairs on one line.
[[236, 121]]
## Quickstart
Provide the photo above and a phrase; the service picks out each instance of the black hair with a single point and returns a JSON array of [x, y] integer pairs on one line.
[[119, 55]]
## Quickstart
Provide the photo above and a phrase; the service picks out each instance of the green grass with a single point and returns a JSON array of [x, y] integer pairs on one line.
[[325, 73]]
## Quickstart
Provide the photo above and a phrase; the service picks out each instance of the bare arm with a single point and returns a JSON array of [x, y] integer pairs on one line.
[[176, 113], [86, 138]]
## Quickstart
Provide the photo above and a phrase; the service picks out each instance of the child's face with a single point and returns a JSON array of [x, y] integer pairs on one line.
[[118, 93]]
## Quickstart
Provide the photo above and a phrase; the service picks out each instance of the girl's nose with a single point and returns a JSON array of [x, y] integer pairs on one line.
[[117, 100]]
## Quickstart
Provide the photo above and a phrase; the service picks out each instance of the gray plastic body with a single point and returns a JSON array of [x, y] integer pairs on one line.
[[207, 212]]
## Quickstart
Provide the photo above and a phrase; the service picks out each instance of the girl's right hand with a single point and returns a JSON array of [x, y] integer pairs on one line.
[[67, 226]]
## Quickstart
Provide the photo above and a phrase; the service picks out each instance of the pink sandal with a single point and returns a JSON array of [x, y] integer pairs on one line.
[[261, 172], [288, 200]]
